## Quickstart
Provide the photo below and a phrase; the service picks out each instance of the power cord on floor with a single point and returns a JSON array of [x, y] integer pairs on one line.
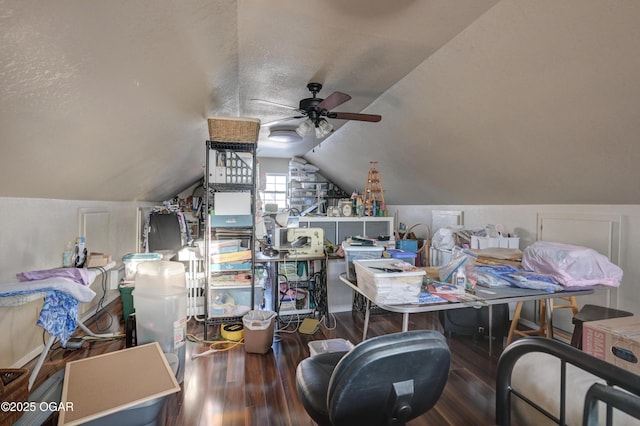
[[213, 345], [324, 322], [100, 308]]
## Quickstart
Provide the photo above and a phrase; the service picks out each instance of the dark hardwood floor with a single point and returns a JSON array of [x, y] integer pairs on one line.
[[232, 387]]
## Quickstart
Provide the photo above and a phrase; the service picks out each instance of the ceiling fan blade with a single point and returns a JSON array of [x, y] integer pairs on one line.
[[269, 123], [354, 116], [333, 100], [274, 103]]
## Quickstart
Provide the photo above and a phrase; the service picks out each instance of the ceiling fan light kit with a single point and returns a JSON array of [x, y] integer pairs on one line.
[[304, 127], [323, 128]]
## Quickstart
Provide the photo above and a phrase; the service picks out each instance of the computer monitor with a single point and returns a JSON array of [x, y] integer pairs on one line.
[[164, 232]]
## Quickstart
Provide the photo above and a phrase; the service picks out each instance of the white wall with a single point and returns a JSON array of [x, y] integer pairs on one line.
[[273, 165], [33, 233], [522, 219]]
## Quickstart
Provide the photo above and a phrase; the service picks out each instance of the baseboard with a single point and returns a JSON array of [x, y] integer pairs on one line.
[[28, 357]]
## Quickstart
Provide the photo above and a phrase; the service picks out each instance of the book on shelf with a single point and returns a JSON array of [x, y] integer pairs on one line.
[[231, 266], [231, 256]]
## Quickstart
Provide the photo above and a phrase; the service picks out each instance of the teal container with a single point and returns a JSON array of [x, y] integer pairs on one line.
[[127, 300], [407, 245]]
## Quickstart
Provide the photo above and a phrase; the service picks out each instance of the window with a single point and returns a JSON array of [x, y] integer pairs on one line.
[[275, 190]]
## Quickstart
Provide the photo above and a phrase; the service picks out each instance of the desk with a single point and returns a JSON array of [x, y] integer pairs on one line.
[[492, 296], [319, 290]]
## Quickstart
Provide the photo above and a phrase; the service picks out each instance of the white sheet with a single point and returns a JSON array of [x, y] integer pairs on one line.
[[82, 293]]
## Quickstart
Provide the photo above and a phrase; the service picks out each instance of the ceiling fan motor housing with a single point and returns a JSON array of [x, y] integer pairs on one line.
[[310, 107]]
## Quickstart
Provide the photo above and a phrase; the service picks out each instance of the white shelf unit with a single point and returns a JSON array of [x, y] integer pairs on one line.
[[337, 229], [231, 286], [304, 194]]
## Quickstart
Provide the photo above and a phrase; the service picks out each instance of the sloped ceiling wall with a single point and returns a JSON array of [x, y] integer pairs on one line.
[[535, 102], [483, 102], [109, 100]]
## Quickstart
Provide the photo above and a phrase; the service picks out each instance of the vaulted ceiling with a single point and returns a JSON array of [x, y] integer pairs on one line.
[[482, 101]]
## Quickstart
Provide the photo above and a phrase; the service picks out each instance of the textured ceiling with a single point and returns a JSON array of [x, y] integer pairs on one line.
[[483, 101]]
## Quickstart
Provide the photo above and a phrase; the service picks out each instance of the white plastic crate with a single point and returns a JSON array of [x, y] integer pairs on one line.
[[494, 242], [352, 253], [329, 345], [388, 288]]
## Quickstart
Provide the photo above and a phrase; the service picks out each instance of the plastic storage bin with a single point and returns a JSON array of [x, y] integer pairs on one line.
[[329, 345], [258, 331], [407, 256], [232, 302], [132, 260], [390, 288], [352, 253], [160, 297]]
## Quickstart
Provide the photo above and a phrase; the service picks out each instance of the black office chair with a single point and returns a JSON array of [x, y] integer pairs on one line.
[[385, 380]]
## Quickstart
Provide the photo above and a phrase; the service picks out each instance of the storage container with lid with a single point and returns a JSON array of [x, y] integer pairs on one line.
[[380, 282], [407, 256], [355, 252], [160, 301], [132, 260]]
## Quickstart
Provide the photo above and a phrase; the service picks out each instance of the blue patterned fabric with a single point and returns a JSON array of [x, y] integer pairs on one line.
[[58, 315]]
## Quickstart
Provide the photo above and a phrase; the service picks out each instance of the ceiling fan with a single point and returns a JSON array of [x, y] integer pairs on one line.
[[317, 110]]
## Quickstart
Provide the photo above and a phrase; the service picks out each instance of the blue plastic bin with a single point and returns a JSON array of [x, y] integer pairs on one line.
[[406, 256]]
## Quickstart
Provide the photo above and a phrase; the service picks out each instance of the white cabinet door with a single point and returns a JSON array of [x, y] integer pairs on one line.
[[601, 232]]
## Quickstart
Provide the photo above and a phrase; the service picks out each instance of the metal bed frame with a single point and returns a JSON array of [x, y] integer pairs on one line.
[[611, 374]]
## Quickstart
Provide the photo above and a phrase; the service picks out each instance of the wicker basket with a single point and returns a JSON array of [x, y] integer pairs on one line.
[[234, 129], [14, 387]]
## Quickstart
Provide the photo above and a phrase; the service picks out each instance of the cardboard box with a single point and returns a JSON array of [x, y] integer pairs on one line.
[[615, 340], [98, 259]]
